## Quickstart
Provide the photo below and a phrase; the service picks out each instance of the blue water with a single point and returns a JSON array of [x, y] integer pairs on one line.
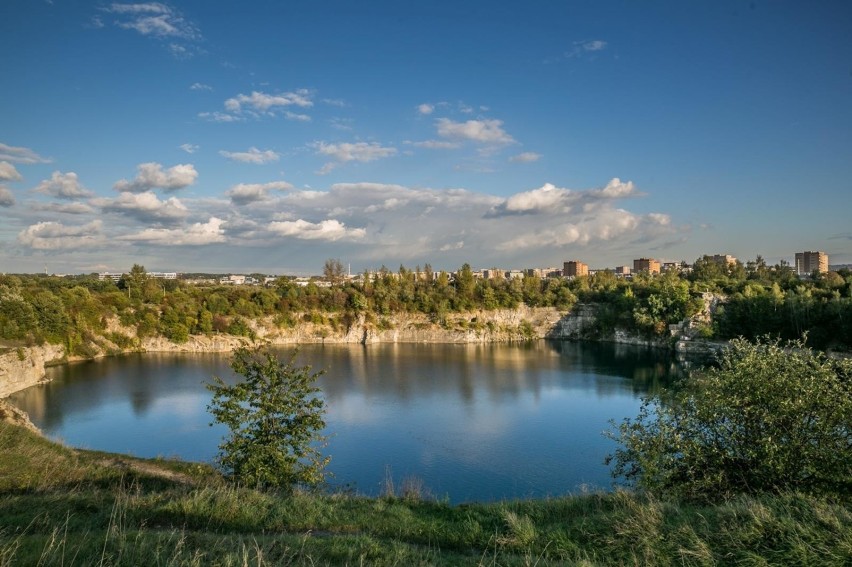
[[461, 422]]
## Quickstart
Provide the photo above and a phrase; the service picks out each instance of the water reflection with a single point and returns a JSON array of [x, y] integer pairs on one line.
[[474, 422]]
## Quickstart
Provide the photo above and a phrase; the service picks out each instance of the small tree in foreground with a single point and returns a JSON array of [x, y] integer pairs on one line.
[[275, 417], [769, 418]]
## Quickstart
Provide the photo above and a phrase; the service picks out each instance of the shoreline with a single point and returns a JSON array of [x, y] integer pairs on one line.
[[24, 367]]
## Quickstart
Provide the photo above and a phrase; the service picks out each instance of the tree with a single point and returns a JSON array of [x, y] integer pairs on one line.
[[771, 417], [333, 271], [275, 418]]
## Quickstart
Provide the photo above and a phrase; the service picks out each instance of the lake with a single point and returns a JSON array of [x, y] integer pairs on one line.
[[461, 422]]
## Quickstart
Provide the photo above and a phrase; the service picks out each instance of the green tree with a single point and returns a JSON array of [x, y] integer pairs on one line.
[[275, 417], [771, 417]]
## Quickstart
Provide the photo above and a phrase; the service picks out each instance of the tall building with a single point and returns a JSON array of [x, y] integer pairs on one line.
[[807, 262], [575, 268], [646, 265], [723, 259]]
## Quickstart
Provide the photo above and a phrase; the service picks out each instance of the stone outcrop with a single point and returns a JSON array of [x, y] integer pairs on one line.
[[500, 325], [24, 367], [11, 414]]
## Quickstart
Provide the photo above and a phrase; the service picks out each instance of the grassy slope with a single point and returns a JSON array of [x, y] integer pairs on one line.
[[60, 506]]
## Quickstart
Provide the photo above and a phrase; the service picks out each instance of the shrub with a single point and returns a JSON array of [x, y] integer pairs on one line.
[[275, 417], [770, 418]]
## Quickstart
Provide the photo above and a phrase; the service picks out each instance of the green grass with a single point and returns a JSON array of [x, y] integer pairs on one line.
[[60, 506]]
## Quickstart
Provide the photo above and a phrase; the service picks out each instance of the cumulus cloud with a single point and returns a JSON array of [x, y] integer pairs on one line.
[[56, 236], [145, 207], [480, 131], [549, 199], [253, 155], [189, 148], [616, 189], [525, 157], [63, 186], [8, 172], [20, 155], [346, 152], [543, 199], [426, 108], [200, 87], [329, 229], [197, 234], [6, 197], [245, 193], [153, 176]]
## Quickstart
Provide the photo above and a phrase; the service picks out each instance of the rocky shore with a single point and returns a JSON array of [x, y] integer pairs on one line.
[[24, 367]]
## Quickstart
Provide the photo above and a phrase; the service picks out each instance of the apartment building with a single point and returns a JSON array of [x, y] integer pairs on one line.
[[646, 265], [723, 259], [574, 268], [807, 262]]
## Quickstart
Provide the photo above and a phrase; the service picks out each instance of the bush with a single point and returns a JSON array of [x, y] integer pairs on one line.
[[275, 417], [769, 418]]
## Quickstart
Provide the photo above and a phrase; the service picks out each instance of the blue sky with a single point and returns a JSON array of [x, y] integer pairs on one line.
[[269, 136]]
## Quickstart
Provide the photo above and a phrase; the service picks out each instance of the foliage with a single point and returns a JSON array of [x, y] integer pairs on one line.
[[769, 418], [275, 418]]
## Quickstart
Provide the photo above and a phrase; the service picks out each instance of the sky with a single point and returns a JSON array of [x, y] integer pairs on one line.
[[267, 136]]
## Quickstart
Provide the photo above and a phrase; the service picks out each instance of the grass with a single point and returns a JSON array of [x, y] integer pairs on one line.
[[60, 506]]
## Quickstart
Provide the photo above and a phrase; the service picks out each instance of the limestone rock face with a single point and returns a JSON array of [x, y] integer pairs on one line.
[[24, 367]]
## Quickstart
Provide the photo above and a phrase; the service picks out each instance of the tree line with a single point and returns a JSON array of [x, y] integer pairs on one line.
[[758, 300]]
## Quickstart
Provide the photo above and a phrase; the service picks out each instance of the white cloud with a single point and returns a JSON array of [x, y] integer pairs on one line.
[[263, 102], [63, 186], [297, 117], [253, 155], [594, 45], [525, 157], [579, 48], [56, 236], [197, 234], [145, 207], [20, 155], [7, 199], [660, 219], [616, 189], [426, 108], [8, 172], [335, 102], [140, 8], [452, 246], [377, 223], [481, 131], [543, 199], [153, 19], [245, 193], [189, 148], [346, 152], [436, 145], [152, 176], [549, 199], [200, 87], [219, 117], [64, 208], [329, 229]]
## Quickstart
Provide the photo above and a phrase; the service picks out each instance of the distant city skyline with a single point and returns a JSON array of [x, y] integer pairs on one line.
[[267, 137]]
